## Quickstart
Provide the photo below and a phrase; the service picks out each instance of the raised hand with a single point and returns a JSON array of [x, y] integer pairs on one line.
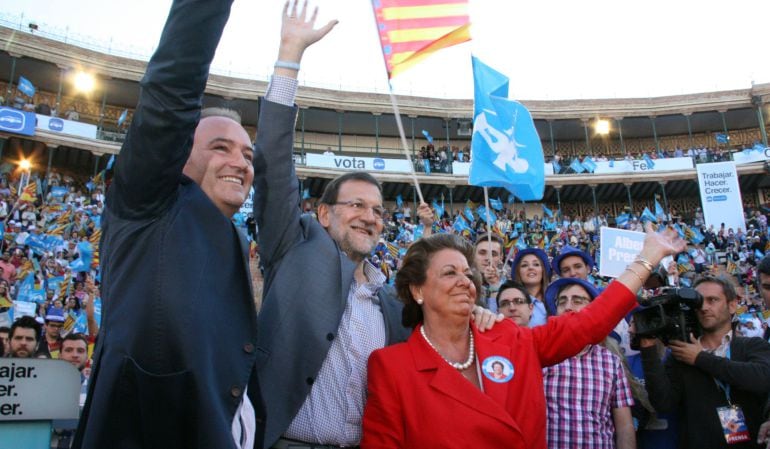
[[659, 245], [298, 32]]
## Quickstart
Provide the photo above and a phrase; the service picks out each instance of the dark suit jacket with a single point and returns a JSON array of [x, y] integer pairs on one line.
[[692, 392], [176, 349], [307, 280]]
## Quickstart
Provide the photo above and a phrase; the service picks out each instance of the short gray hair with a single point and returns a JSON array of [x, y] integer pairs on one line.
[[222, 112]]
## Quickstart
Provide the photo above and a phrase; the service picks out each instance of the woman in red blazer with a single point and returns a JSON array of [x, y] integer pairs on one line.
[[438, 390]]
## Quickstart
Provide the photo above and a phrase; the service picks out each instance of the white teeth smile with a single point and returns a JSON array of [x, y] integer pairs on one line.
[[232, 179]]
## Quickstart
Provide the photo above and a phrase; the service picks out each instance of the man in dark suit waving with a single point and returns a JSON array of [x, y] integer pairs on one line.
[[175, 364]]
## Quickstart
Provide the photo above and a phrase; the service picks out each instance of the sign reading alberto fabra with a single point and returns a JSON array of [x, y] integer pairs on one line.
[[38, 389]]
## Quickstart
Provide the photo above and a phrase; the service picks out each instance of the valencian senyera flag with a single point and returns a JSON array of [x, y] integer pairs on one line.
[[505, 147], [411, 30]]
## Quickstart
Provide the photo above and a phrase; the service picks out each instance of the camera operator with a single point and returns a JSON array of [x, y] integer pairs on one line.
[[719, 383]]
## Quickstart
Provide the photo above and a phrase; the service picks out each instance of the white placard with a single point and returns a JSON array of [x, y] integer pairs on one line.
[[619, 248], [59, 125], [370, 164], [749, 156], [720, 195], [32, 389], [642, 166]]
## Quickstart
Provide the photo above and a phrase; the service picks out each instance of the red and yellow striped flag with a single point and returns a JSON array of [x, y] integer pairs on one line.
[[411, 30], [29, 193]]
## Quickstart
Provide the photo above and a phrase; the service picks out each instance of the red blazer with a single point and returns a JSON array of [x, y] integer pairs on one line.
[[417, 400]]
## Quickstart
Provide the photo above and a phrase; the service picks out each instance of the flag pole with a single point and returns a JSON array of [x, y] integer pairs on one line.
[[404, 145], [489, 226], [400, 125]]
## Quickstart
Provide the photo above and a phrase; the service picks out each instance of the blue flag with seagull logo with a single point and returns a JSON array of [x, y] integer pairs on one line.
[[506, 148], [26, 87]]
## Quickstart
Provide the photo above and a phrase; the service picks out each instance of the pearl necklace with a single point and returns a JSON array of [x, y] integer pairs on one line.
[[455, 365]]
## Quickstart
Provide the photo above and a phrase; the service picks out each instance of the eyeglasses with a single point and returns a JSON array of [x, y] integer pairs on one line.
[[514, 302], [359, 207], [562, 301]]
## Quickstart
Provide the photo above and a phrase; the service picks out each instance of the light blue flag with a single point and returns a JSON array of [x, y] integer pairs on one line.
[[678, 229], [721, 138], [28, 292], [697, 235], [648, 160], [496, 204], [521, 244], [481, 211], [511, 198], [547, 211], [469, 214], [589, 164], [514, 234], [460, 225], [110, 162], [122, 118], [26, 87], [556, 167], [758, 254], [506, 148], [58, 192], [306, 193], [83, 263], [36, 242], [53, 241], [438, 208], [418, 231], [577, 166], [399, 201], [659, 212], [428, 137], [54, 283], [648, 216], [81, 322]]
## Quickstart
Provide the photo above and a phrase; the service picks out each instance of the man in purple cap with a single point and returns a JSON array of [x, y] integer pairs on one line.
[[50, 345], [573, 263], [588, 397]]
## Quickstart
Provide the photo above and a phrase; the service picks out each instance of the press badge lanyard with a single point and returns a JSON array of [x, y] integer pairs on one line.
[[731, 417], [724, 386]]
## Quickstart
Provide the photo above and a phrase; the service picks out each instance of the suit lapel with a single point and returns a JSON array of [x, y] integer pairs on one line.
[[347, 269], [451, 383]]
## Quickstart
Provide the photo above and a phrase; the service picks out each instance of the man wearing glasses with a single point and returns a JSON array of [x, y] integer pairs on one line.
[[587, 396], [325, 307], [51, 344]]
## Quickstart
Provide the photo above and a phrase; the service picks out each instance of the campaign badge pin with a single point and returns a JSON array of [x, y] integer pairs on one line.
[[497, 369]]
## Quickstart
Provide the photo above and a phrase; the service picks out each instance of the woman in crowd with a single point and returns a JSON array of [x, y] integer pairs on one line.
[[513, 302], [436, 389], [531, 269]]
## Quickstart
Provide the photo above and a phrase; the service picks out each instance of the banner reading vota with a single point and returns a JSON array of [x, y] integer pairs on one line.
[[720, 195]]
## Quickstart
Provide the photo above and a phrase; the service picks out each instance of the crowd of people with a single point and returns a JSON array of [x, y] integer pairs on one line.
[[480, 327], [439, 160]]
